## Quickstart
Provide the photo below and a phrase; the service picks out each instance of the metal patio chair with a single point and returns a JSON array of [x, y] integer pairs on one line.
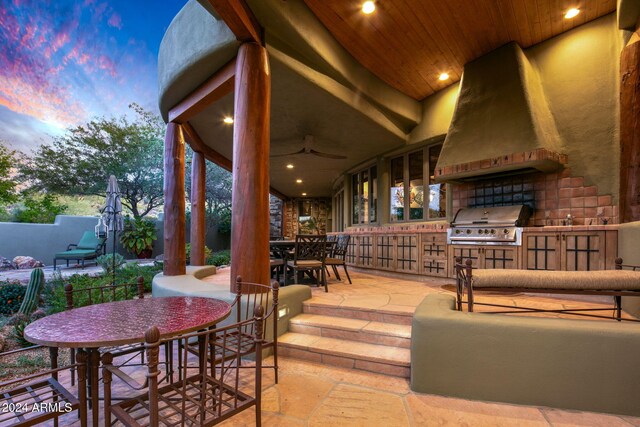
[[309, 256], [338, 256]]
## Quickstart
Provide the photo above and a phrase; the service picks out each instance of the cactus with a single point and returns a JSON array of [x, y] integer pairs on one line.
[[32, 296]]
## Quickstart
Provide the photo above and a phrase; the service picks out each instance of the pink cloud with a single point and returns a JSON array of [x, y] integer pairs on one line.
[[115, 21]]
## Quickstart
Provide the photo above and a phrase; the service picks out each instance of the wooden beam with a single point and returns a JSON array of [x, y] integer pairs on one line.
[[175, 262], [630, 131], [250, 194], [240, 19], [198, 145], [198, 223], [214, 88]]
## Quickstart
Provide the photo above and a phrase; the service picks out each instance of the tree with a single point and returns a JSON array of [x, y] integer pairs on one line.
[[80, 162], [217, 195], [9, 160]]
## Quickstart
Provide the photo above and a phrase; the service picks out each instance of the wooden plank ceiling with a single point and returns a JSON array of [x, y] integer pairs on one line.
[[409, 43]]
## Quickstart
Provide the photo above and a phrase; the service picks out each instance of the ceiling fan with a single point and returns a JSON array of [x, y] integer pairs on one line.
[[306, 149]]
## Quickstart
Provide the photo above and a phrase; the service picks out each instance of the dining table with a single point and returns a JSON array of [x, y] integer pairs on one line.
[[121, 323], [284, 249]]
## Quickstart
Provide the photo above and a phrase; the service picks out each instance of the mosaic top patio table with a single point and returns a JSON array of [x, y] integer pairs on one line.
[[123, 322]]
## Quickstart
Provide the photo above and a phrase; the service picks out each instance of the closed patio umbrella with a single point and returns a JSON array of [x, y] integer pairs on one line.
[[112, 216]]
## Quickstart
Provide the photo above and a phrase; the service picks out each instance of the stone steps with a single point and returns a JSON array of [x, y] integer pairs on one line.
[[402, 315], [347, 354], [372, 332], [376, 340]]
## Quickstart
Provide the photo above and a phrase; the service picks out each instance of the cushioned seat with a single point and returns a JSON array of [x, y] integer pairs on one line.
[[76, 254], [614, 280], [304, 263], [333, 261]]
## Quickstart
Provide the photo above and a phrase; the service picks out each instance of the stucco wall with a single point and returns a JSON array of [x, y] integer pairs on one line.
[[42, 241], [580, 75]]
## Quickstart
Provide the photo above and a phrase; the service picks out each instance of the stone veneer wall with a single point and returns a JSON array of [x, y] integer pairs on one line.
[[320, 208], [555, 196], [275, 216]]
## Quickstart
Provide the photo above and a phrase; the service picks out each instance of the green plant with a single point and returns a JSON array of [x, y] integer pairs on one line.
[[11, 296], [207, 252], [220, 258], [138, 235], [17, 333], [106, 262], [40, 210], [32, 295]]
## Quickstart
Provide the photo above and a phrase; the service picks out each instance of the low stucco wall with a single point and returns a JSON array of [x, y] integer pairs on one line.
[[565, 363], [628, 238], [42, 241], [290, 298]]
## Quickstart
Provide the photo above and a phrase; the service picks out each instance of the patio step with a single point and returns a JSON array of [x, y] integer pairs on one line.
[[372, 332], [401, 315], [376, 358]]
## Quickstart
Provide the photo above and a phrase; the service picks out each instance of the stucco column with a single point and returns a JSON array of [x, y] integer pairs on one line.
[[174, 202], [250, 202], [347, 206], [198, 223]]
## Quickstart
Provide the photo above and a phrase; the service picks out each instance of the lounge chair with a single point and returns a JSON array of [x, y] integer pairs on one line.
[[89, 247]]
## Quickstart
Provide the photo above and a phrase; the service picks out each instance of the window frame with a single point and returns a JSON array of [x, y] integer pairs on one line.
[[373, 200], [407, 185]]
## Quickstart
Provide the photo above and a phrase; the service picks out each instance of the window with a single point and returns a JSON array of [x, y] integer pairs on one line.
[[409, 173], [364, 191]]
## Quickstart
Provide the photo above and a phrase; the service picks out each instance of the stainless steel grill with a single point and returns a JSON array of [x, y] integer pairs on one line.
[[489, 226]]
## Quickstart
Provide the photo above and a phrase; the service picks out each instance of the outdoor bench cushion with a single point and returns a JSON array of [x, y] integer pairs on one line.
[[77, 254], [305, 263], [615, 280]]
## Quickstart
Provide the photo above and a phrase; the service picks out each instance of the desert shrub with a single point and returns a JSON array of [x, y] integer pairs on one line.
[[11, 296], [207, 252], [220, 258], [17, 333], [56, 300], [106, 262], [41, 210]]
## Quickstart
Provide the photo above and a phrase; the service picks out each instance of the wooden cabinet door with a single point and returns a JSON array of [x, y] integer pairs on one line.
[[499, 257], [541, 251], [433, 254], [583, 251], [465, 252], [365, 252], [407, 253], [385, 253]]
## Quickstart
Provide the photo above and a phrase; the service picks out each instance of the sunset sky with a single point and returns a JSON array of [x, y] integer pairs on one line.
[[64, 62]]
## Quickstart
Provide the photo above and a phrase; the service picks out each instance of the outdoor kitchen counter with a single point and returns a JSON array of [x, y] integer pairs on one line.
[[560, 228]]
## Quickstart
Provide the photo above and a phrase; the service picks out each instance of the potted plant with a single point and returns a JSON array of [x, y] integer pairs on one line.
[[138, 236]]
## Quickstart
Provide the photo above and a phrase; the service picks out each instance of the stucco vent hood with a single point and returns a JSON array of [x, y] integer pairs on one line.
[[502, 123]]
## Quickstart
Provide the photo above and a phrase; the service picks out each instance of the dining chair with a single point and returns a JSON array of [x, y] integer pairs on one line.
[[338, 256], [20, 395], [209, 391], [309, 256]]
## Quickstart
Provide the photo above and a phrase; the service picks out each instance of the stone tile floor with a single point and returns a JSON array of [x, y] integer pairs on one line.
[[311, 394]]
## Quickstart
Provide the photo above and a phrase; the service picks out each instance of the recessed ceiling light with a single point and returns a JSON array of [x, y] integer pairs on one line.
[[444, 76], [289, 166], [368, 7], [299, 181], [571, 13], [304, 194], [228, 120]]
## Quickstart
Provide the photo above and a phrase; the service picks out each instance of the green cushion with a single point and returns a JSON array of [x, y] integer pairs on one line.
[[77, 254], [89, 241]]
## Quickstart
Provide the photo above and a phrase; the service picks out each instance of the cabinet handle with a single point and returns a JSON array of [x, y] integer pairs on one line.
[[564, 237], [557, 237]]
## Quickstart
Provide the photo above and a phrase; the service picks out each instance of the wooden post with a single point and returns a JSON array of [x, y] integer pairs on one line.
[[630, 131], [250, 200], [174, 202], [198, 227]]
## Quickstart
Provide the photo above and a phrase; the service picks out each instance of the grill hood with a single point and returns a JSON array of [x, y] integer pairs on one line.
[[502, 121]]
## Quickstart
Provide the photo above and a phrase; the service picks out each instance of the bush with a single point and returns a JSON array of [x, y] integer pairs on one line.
[[56, 300], [138, 235], [17, 333], [106, 262], [207, 252], [11, 296], [39, 210], [220, 258]]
